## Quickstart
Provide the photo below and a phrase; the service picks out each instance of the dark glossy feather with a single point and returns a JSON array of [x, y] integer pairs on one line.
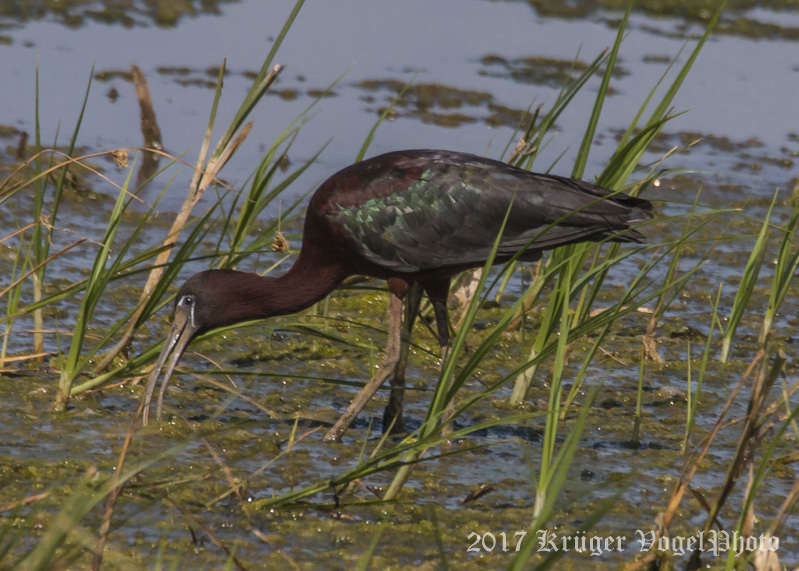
[[413, 211]]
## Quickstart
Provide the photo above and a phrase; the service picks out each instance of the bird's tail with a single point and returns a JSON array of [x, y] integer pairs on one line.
[[641, 210]]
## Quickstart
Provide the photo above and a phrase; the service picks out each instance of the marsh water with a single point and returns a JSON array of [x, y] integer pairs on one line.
[[476, 67]]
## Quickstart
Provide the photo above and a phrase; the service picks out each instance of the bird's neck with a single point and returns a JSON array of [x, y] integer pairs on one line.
[[300, 287]]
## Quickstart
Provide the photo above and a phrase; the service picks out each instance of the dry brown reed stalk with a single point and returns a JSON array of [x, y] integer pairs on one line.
[[203, 176], [785, 509], [149, 127], [18, 358], [22, 146], [690, 469], [24, 502], [7, 188], [18, 231], [110, 503], [751, 437], [105, 527], [663, 519], [149, 124], [752, 434]]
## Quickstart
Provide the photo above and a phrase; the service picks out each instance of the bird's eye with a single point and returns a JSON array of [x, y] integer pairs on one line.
[[187, 300]]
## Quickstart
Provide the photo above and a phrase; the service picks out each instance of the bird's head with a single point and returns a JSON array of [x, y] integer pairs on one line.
[[199, 307]]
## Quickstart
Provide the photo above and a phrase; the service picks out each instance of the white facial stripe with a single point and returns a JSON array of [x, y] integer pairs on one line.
[[189, 299]]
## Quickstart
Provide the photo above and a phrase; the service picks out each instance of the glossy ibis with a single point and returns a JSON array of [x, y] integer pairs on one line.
[[415, 218]]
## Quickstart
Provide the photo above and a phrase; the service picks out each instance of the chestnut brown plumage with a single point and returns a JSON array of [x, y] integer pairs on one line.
[[415, 218]]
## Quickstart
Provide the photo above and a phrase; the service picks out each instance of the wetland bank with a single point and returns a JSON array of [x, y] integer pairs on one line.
[[625, 346]]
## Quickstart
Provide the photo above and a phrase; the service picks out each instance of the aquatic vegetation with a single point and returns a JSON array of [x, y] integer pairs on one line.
[[587, 358]]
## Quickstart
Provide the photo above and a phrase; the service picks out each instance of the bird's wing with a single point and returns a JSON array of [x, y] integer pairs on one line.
[[450, 213]]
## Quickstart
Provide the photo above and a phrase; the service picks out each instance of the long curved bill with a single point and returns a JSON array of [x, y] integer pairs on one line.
[[183, 331]]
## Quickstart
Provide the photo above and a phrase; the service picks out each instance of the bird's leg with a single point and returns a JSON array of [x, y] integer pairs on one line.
[[442, 325], [392, 416], [388, 367]]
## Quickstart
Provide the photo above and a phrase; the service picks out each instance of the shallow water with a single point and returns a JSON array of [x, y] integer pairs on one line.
[[476, 66]]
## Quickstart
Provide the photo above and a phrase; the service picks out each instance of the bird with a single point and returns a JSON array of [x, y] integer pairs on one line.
[[415, 218]]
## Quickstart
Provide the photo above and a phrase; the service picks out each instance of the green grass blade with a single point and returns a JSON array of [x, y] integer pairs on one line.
[[748, 281], [593, 120]]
